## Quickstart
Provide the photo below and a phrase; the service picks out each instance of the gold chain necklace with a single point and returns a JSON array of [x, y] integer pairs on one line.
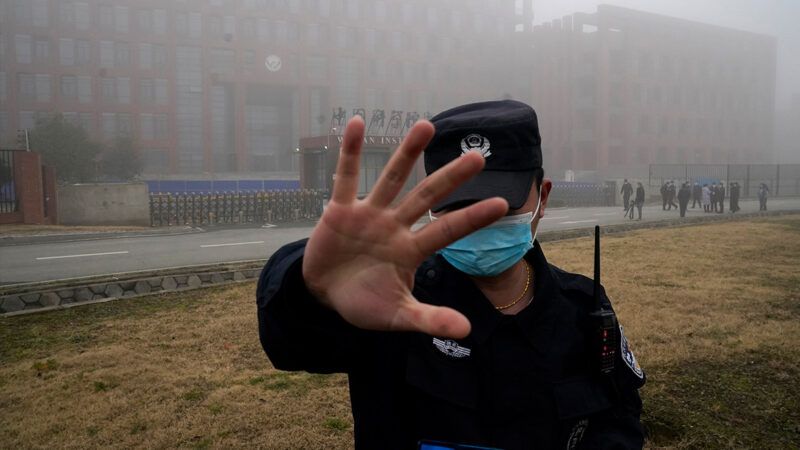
[[527, 285]]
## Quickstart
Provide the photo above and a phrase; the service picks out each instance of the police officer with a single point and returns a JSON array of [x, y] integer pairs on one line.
[[627, 191], [683, 198], [459, 332]]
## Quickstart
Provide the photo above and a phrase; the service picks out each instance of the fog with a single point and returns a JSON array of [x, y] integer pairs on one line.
[[240, 86]]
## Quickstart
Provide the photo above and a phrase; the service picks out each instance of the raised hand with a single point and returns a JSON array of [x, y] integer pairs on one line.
[[361, 257]]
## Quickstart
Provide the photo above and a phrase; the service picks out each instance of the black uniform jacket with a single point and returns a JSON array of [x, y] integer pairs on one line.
[[523, 381]]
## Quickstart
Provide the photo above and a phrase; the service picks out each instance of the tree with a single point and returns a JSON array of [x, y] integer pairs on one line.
[[121, 161], [66, 147]]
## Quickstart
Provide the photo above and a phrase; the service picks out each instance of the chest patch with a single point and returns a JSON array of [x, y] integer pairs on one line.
[[451, 348], [627, 355]]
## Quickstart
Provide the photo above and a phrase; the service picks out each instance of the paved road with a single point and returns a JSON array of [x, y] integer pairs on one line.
[[57, 260]]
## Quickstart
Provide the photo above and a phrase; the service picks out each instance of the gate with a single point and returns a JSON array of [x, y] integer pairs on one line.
[[8, 191], [234, 208]]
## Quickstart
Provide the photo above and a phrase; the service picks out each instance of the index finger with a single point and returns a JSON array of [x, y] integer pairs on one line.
[[345, 187]]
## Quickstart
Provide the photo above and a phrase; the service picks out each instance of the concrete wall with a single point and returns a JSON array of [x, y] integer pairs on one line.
[[104, 204]]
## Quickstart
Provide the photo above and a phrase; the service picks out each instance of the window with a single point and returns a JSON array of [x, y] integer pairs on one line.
[[123, 85], [106, 17], [84, 89], [146, 127], [67, 13], [122, 54], [108, 90], [109, 124], [23, 47], [160, 21], [147, 91], [26, 86], [83, 52], [229, 26], [121, 19], [69, 87], [374, 163], [40, 15], [153, 126], [42, 87], [124, 125], [195, 27], [161, 91], [41, 52], [107, 54], [66, 52], [249, 60], [145, 21], [23, 12], [215, 26], [82, 16]]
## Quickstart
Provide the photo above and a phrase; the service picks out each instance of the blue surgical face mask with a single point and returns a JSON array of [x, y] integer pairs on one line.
[[493, 249]]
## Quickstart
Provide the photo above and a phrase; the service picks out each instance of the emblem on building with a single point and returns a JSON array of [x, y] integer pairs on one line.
[[477, 143], [273, 63]]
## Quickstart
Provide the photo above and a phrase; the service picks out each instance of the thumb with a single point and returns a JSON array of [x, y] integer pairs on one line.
[[433, 320]]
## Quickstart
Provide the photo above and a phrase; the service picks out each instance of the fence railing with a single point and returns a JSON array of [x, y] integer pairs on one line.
[[782, 179], [8, 193], [221, 208], [568, 193]]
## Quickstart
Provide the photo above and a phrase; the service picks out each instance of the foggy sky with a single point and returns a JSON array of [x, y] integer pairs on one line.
[[777, 18]]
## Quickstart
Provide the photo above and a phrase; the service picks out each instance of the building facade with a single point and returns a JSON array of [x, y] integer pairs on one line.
[[621, 88], [226, 86]]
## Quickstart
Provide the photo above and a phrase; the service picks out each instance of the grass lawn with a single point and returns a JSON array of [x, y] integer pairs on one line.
[[713, 313]]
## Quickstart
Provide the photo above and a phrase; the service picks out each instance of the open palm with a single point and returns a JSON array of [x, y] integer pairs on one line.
[[361, 257]]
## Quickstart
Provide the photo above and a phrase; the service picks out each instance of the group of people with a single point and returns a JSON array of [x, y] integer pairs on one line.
[[710, 197]]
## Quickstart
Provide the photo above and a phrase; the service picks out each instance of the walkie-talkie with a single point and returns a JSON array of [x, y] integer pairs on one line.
[[605, 319]]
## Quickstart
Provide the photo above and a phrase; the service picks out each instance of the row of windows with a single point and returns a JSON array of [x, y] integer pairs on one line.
[[38, 87], [191, 24], [112, 125]]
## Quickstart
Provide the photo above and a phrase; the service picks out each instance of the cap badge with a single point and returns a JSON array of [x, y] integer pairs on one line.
[[451, 348], [476, 142]]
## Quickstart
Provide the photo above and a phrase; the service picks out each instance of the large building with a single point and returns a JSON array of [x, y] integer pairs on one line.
[[223, 86], [621, 88]]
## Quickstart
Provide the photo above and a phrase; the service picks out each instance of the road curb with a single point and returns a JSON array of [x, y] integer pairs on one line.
[[7, 241], [20, 299]]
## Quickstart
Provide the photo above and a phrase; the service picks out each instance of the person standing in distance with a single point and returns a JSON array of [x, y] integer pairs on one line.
[[460, 331], [626, 192], [639, 200], [683, 198]]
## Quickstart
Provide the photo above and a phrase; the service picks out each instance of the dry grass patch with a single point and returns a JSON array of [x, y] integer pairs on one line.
[[712, 312]]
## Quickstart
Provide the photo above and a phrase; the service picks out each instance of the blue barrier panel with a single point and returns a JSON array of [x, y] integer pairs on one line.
[[224, 185], [152, 186], [281, 184], [203, 186], [251, 185], [172, 186]]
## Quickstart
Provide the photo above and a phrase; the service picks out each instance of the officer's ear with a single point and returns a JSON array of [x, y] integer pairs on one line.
[[545, 188]]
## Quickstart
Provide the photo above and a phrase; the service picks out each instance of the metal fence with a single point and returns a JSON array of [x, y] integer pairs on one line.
[[782, 179], [229, 208], [567, 193], [212, 186], [8, 193]]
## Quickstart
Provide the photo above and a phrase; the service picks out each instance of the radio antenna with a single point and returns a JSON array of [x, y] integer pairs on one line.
[[597, 267]]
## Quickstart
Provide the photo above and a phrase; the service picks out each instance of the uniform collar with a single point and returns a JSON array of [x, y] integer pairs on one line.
[[458, 291]]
